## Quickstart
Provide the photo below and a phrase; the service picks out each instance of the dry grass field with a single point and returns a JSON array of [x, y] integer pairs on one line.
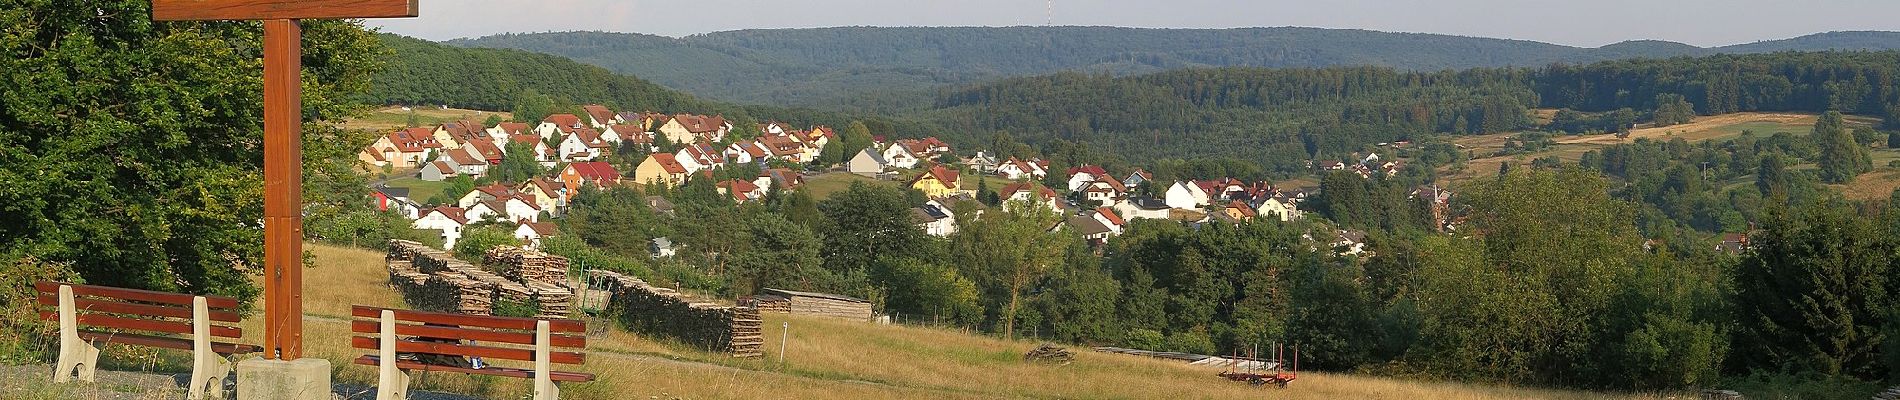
[[837, 359], [1571, 148]]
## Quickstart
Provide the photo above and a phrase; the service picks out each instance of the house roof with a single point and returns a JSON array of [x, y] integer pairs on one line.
[[527, 139], [658, 203], [496, 190], [563, 120], [486, 147], [782, 145], [543, 229], [590, 137], [1011, 189], [413, 139], [875, 156], [393, 192], [1087, 226], [1149, 203], [750, 149], [667, 162], [443, 167], [595, 171], [944, 175], [456, 214], [700, 123], [630, 132], [1245, 211], [739, 189], [1092, 170], [1110, 215], [599, 112], [542, 184], [512, 128], [785, 178], [462, 158]]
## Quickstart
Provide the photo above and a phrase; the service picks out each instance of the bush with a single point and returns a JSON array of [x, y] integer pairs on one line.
[[23, 337], [476, 241], [511, 308], [1144, 339], [1194, 341]]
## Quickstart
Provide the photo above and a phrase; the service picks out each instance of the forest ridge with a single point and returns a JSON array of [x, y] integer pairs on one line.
[[833, 67]]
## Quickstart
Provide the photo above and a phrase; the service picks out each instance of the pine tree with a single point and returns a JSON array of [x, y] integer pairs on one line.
[[1842, 158]]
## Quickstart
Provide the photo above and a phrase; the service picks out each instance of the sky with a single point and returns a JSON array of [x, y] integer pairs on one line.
[[1586, 23]]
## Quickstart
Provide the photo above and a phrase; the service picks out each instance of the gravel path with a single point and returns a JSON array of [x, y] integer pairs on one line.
[[35, 382]]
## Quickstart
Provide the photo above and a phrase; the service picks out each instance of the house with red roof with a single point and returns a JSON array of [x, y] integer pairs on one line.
[[1109, 219], [689, 128], [1031, 193], [557, 123], [660, 169], [741, 191], [502, 131], [598, 116], [402, 149], [1081, 176], [938, 181], [598, 174], [584, 145]]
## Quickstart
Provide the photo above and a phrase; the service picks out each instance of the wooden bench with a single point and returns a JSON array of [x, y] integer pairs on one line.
[[446, 334], [159, 318]]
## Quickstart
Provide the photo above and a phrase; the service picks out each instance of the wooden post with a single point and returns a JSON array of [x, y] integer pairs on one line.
[[391, 383], [283, 190], [283, 128]]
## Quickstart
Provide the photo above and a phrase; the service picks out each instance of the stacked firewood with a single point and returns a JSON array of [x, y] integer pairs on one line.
[[553, 301], [664, 312], [806, 303], [1049, 353], [528, 266]]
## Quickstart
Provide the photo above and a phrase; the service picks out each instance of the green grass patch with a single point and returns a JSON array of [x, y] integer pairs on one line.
[[419, 190], [822, 186]]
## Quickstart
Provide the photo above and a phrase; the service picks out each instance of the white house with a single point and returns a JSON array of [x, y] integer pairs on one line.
[[1186, 196], [1278, 207], [1142, 208], [448, 220], [1107, 217], [1081, 176], [935, 219], [584, 145], [532, 232], [898, 157]]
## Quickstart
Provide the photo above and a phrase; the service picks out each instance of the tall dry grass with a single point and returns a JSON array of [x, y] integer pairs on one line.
[[838, 359]]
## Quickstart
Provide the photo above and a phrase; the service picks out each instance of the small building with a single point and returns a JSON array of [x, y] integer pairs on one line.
[[868, 163], [808, 303], [661, 247]]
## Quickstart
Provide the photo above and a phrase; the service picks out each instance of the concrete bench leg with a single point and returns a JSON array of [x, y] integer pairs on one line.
[[391, 383], [76, 356], [208, 368]]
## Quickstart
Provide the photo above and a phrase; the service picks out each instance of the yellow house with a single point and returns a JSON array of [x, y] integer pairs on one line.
[[937, 182], [689, 128], [660, 169], [547, 195]]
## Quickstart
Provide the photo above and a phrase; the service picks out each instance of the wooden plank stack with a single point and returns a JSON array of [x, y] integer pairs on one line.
[[657, 311], [807, 303], [528, 266], [1892, 393]]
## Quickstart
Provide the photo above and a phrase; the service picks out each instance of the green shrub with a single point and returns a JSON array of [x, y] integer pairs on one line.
[[23, 337]]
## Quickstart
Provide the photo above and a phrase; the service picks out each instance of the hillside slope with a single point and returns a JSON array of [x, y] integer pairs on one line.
[[831, 66], [837, 359]]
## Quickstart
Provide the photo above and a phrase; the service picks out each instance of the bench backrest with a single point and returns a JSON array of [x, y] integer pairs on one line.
[[563, 333], [139, 310]]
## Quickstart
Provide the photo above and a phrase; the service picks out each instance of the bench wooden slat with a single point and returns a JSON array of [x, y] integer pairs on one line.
[[216, 302], [480, 321], [165, 342], [405, 346], [443, 332], [109, 321], [558, 376], [97, 305]]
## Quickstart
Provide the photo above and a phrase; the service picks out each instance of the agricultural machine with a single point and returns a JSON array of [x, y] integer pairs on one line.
[[1260, 372]]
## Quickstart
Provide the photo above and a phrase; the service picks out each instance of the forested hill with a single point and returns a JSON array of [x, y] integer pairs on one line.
[[865, 66], [423, 72]]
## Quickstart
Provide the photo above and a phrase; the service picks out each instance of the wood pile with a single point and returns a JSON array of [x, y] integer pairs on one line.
[[528, 266], [1049, 353], [663, 312], [1733, 395], [807, 303], [553, 301]]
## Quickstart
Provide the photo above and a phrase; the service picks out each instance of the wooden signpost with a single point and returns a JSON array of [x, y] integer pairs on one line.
[[283, 127]]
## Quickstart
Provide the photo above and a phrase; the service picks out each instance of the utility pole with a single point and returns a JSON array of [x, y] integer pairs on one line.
[[784, 334]]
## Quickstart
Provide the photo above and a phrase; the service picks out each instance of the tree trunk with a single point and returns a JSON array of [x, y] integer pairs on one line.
[[1009, 317]]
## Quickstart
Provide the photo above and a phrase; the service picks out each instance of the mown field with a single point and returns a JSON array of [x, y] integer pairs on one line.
[[1484, 148]]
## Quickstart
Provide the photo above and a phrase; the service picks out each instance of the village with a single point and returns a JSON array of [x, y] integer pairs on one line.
[[1094, 202]]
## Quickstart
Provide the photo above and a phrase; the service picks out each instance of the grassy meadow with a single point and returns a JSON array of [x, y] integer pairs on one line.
[[837, 359]]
